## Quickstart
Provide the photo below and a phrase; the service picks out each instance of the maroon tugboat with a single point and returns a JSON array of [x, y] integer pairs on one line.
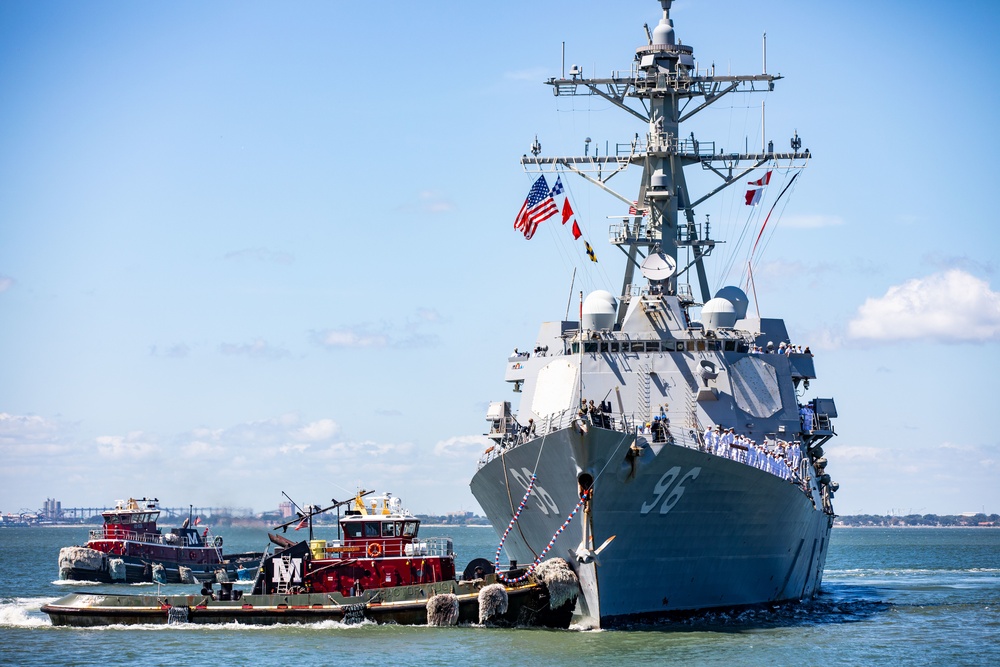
[[130, 548]]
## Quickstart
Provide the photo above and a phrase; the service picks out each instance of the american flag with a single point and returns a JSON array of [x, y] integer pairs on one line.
[[538, 207]]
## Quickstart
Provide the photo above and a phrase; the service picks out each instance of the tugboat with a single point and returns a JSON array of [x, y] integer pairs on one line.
[[379, 570], [678, 420], [129, 548]]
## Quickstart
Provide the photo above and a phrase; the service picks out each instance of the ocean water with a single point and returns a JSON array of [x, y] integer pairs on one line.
[[913, 596]]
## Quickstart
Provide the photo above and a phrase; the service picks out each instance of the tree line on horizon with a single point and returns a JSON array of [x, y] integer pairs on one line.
[[932, 520]]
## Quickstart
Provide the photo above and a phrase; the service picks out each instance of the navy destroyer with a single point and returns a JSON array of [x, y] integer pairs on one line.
[[666, 442]]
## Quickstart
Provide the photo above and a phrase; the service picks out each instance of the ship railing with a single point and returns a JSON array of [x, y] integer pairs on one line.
[[148, 538], [629, 423]]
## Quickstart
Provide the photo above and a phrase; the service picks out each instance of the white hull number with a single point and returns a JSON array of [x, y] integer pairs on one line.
[[545, 502], [665, 484]]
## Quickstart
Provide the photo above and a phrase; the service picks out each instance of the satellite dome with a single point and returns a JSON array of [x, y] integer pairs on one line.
[[719, 313], [599, 309], [735, 296], [663, 33]]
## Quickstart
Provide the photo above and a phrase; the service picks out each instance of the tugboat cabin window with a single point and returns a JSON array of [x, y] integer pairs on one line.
[[372, 529], [410, 529], [352, 530], [391, 529]]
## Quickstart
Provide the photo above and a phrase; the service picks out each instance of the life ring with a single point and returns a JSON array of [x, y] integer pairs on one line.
[[218, 541], [374, 550]]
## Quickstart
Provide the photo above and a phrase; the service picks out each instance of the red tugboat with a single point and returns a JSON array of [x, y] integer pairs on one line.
[[380, 549], [129, 548], [380, 570]]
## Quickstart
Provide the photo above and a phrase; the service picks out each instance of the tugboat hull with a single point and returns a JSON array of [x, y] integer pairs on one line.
[[83, 564], [527, 604]]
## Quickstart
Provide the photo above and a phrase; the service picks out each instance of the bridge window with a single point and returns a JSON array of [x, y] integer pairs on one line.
[[373, 529], [352, 529], [590, 347], [410, 529], [730, 346], [653, 346]]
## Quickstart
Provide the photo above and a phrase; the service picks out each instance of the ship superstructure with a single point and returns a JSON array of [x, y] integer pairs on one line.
[[688, 438]]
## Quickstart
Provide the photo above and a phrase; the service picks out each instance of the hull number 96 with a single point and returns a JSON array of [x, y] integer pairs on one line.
[[673, 482]]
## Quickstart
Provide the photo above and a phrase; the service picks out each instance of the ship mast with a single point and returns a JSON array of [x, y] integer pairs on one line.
[[661, 86]]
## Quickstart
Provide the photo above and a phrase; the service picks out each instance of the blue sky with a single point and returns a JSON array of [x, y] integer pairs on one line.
[[248, 248]]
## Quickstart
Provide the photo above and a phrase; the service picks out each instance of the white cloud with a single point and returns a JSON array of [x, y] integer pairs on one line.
[[951, 307], [131, 446], [944, 479], [350, 338], [323, 429], [462, 446], [201, 450], [178, 351], [403, 335]]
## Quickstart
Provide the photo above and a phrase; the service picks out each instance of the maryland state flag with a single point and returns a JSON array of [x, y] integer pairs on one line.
[[590, 252]]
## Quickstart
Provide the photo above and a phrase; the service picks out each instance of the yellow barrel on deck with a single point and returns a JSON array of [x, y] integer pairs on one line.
[[318, 548]]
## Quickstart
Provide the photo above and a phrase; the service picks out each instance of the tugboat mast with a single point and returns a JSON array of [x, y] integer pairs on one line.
[[665, 82]]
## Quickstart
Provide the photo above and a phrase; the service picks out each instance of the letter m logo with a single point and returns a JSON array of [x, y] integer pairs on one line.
[[288, 572]]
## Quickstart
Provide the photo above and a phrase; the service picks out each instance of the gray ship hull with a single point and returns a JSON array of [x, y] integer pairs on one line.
[[692, 531]]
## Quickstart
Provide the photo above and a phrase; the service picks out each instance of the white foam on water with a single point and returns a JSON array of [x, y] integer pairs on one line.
[[23, 612], [75, 582]]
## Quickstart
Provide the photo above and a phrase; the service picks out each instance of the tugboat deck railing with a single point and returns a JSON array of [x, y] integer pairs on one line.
[[169, 540], [373, 548]]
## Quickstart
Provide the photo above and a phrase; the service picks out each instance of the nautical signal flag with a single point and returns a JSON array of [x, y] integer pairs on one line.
[[567, 211], [538, 207], [590, 252], [576, 231], [754, 193]]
